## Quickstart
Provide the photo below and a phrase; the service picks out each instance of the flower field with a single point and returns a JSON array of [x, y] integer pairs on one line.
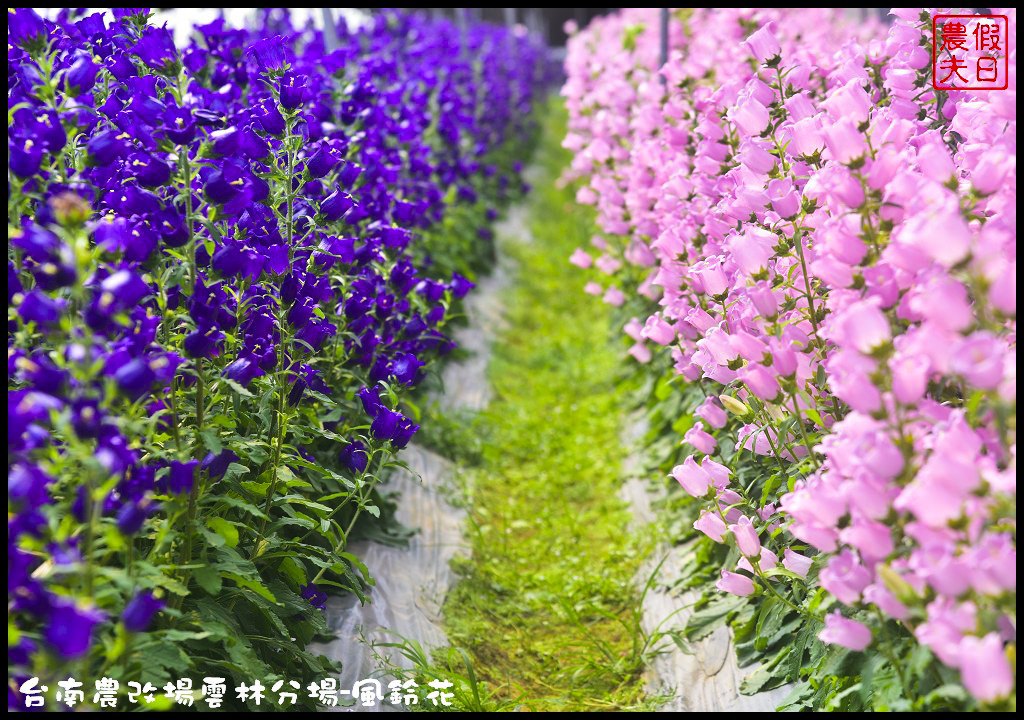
[[758, 263], [229, 267], [816, 252]]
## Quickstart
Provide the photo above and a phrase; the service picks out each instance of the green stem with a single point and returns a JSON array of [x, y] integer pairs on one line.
[[360, 500], [200, 391], [174, 414], [803, 430], [196, 491], [886, 648], [90, 524], [281, 428], [798, 241], [771, 444], [274, 467], [810, 308], [771, 588], [756, 564]]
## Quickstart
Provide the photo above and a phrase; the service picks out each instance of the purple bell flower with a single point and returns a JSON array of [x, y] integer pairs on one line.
[[370, 400], [181, 477], [354, 456], [242, 371], [336, 205], [156, 49], [106, 147], [323, 160], [224, 183], [86, 417], [405, 367], [385, 424], [268, 53], [269, 117], [130, 13], [179, 125], [460, 286], [26, 29], [406, 429], [120, 66], [140, 611], [225, 142], [27, 486], [202, 342], [216, 465], [135, 378], [149, 171], [69, 628], [126, 288], [40, 309], [252, 144], [317, 597], [132, 515], [24, 158], [292, 90], [81, 76]]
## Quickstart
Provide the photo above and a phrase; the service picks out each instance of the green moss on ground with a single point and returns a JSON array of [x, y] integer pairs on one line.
[[547, 609]]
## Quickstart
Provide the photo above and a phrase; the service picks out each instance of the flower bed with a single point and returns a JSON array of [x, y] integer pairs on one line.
[[229, 268], [816, 254]]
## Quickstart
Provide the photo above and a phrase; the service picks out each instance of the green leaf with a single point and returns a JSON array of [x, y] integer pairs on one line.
[[358, 564], [333, 436], [798, 698], [235, 470], [783, 572], [951, 692], [319, 509], [255, 450], [257, 489], [682, 424], [765, 677], [257, 587], [241, 390], [285, 475], [335, 496], [211, 441], [208, 578], [820, 378], [813, 415], [225, 529], [702, 622], [770, 486], [326, 401], [173, 585], [769, 620], [806, 635], [299, 521], [242, 505], [293, 569]]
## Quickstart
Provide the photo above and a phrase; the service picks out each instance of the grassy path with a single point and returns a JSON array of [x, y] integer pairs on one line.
[[547, 608]]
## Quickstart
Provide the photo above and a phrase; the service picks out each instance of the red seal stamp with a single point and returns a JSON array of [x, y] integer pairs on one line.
[[970, 52]]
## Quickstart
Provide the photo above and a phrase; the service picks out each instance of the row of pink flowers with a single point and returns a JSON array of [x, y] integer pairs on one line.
[[800, 204]]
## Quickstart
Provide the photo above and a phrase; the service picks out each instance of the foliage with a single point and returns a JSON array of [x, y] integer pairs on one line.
[[228, 268], [814, 256], [546, 614]]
